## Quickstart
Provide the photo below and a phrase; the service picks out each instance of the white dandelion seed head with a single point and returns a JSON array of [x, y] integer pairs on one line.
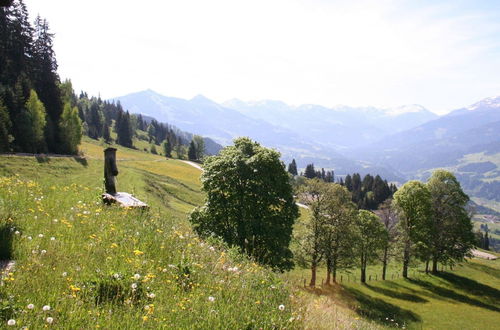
[[211, 299], [134, 286], [151, 295], [212, 248], [64, 274], [43, 251], [30, 238], [147, 307], [11, 322], [17, 232], [31, 306], [40, 235], [52, 238], [164, 270], [116, 275], [137, 276], [46, 308], [36, 217], [49, 320], [281, 307]]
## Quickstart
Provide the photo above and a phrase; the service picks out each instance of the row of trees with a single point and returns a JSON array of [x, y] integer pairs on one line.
[[35, 113], [429, 222]]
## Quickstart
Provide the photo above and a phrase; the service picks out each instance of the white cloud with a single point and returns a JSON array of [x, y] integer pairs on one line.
[[379, 53]]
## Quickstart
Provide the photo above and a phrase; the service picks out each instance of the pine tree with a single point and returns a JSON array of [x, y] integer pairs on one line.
[[310, 173], [292, 168], [167, 148], [106, 135], [46, 80], [192, 151]]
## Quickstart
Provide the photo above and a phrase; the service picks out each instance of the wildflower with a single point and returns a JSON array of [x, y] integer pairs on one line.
[[64, 274], [49, 320], [11, 322], [40, 235], [29, 238], [52, 238], [43, 251], [55, 220], [146, 307], [31, 306], [211, 299], [164, 270], [17, 232], [134, 286], [151, 295], [212, 248], [116, 275], [46, 308], [137, 277], [281, 307], [138, 252]]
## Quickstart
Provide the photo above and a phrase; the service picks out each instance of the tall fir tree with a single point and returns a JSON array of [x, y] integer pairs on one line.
[[292, 168]]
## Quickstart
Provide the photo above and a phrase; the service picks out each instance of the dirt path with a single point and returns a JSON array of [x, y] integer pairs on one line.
[[483, 255], [192, 164]]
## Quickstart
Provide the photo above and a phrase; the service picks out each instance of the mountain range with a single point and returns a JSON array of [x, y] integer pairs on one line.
[[398, 143]]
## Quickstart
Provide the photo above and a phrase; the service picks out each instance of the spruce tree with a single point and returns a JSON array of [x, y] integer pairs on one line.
[[192, 151], [167, 148], [292, 168]]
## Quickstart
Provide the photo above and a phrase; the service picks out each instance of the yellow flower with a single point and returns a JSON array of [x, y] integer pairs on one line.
[[138, 253], [114, 245]]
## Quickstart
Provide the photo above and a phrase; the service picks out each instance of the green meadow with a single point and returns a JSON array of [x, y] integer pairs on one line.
[[94, 266]]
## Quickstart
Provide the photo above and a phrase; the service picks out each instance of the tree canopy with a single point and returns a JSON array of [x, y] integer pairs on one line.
[[249, 202]]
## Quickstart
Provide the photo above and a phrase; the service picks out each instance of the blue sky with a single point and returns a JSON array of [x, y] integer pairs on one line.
[[440, 54]]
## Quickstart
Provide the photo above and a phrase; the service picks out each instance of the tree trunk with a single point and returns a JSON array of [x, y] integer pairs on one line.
[[363, 270], [312, 284], [434, 265], [427, 266], [328, 271], [406, 259], [384, 263]]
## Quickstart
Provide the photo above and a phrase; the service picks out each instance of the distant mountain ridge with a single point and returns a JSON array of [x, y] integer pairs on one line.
[[398, 143]]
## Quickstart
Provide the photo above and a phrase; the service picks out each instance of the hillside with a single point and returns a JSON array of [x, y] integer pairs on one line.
[[114, 268], [81, 259]]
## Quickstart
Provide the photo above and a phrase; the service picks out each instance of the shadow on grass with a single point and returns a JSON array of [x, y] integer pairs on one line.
[[396, 294], [379, 310], [6, 237], [440, 292], [473, 287], [42, 159], [485, 269], [81, 160]]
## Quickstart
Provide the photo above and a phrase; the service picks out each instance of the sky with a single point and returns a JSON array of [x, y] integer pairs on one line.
[[443, 55]]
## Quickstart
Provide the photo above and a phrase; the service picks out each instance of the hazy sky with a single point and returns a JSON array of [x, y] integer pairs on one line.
[[440, 54]]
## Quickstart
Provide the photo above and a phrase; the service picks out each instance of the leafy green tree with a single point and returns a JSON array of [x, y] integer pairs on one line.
[[153, 149], [310, 239], [389, 219], [106, 134], [249, 202], [200, 146], [292, 168], [71, 129], [35, 111], [372, 238], [339, 240], [413, 204], [451, 237]]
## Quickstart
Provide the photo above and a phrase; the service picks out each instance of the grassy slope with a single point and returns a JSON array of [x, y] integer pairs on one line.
[[69, 248], [467, 297], [92, 247]]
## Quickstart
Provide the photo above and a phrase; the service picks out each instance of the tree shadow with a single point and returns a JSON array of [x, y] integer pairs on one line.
[[380, 311], [81, 160], [396, 294], [6, 238], [441, 292], [42, 159], [473, 287], [485, 269]]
